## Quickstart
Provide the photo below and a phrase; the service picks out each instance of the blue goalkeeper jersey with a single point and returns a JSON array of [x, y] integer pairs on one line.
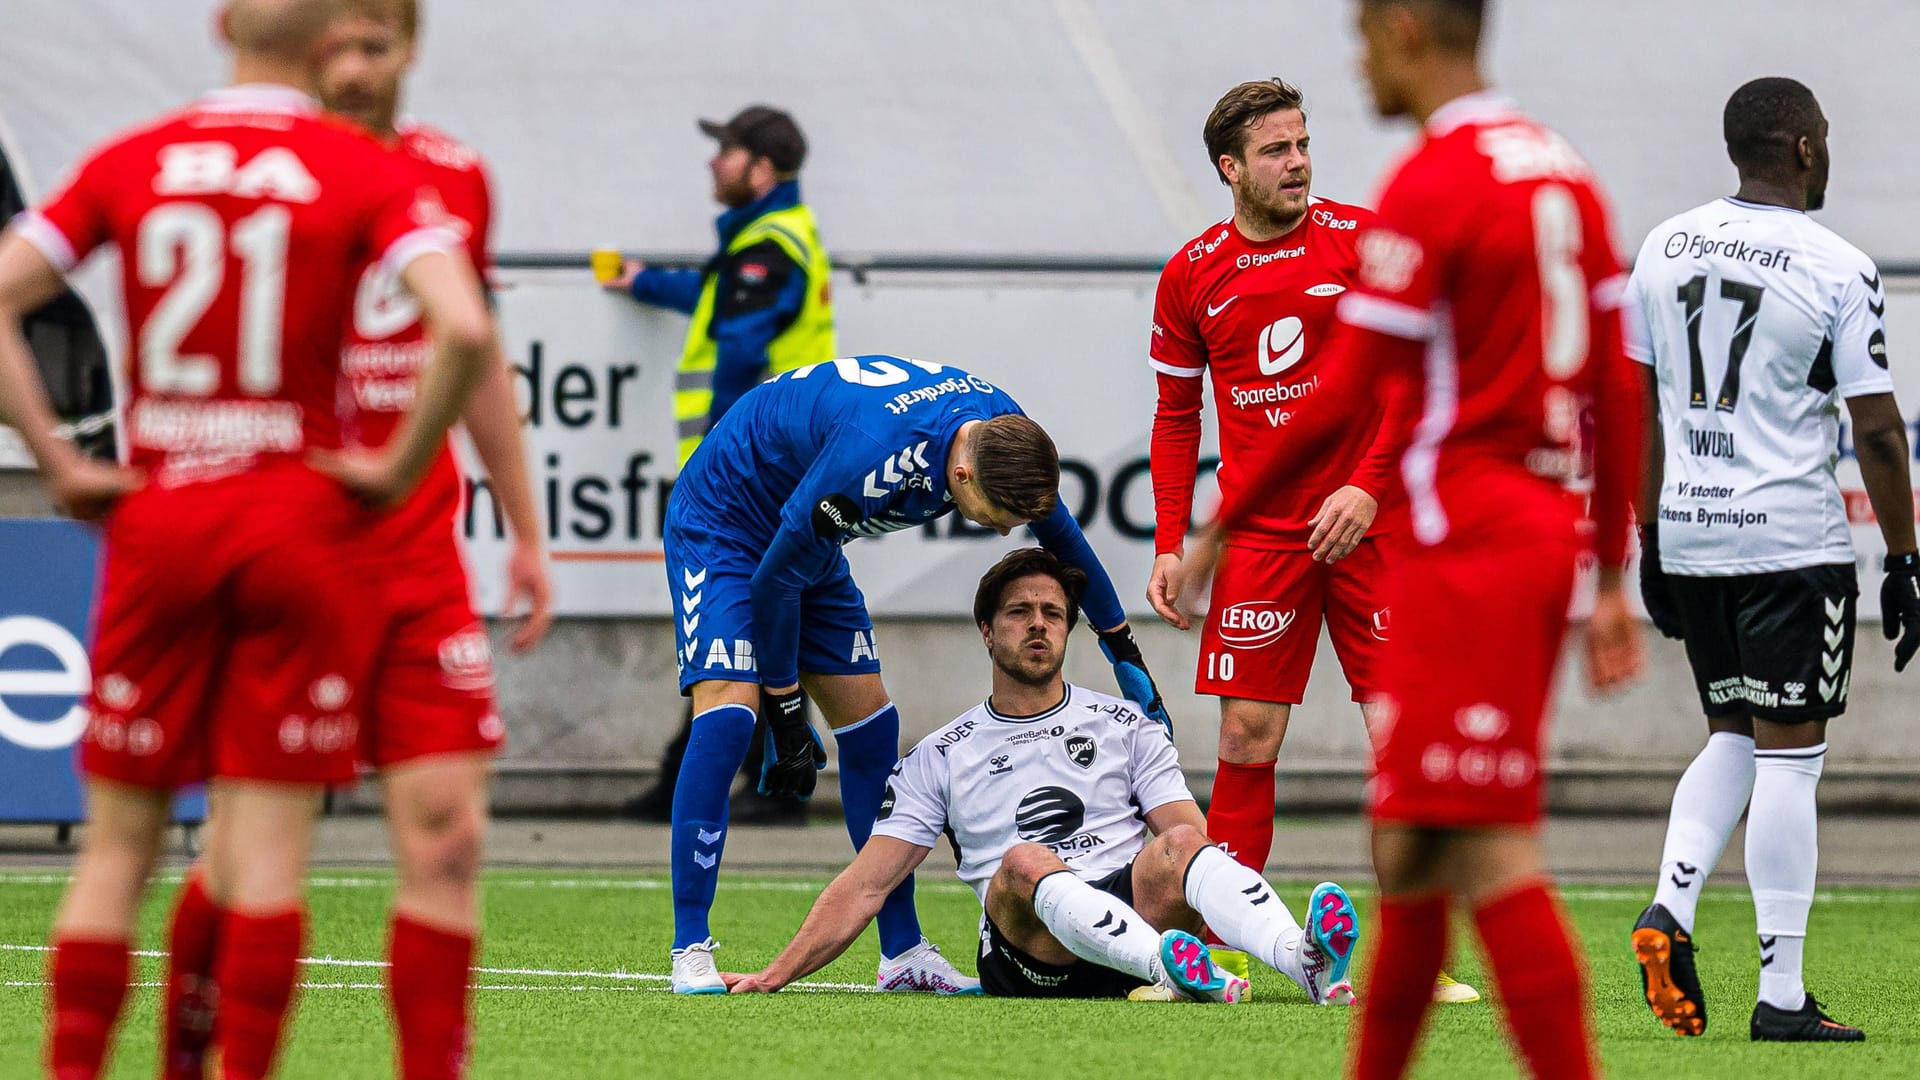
[[824, 455]]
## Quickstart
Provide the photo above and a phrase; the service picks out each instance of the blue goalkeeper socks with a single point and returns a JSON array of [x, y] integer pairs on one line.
[[868, 752], [715, 750]]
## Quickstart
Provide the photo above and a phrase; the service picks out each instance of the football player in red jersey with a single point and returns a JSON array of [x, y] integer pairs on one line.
[[1249, 304], [1489, 292], [429, 724], [230, 645]]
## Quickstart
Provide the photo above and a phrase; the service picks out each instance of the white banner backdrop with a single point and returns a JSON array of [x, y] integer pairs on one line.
[[595, 376]]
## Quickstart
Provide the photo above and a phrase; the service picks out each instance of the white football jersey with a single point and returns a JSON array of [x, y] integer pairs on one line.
[[1758, 321], [1077, 778]]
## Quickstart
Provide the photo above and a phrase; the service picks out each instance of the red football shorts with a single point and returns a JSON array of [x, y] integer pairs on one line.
[[1477, 632], [1263, 622], [234, 634], [432, 686]]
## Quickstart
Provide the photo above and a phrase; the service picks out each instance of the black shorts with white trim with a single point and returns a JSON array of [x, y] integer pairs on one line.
[[1775, 646]]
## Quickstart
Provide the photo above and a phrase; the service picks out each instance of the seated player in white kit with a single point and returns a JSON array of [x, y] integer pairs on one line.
[[1048, 793]]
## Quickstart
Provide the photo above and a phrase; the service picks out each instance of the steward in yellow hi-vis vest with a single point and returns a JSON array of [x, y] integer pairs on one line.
[[762, 305]]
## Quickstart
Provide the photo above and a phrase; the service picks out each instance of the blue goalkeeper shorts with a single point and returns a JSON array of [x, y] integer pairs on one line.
[[711, 579]]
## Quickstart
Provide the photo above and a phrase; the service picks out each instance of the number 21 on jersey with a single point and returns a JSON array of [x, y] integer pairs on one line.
[[182, 247]]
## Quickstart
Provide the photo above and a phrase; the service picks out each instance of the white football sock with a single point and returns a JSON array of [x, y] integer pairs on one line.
[[1097, 926], [1783, 856], [1242, 910], [1713, 793]]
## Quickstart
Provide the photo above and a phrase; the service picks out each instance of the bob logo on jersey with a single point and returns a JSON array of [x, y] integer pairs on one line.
[[1254, 624], [1080, 751], [1204, 247], [1326, 220], [1049, 815]]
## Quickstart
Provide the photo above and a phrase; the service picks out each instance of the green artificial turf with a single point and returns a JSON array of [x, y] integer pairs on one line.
[[553, 1002]]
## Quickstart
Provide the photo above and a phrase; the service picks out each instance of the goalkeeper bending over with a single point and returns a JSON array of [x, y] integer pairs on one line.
[[765, 602], [1048, 792]]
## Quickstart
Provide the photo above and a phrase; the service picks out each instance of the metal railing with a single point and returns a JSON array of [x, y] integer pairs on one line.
[[862, 264]]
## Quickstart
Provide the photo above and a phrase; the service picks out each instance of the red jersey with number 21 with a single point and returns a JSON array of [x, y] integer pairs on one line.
[[1256, 318], [241, 221]]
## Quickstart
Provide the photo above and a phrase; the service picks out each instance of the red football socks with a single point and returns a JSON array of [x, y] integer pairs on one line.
[[89, 983], [1408, 950], [186, 1027], [428, 990], [1542, 986], [1240, 817], [256, 967]]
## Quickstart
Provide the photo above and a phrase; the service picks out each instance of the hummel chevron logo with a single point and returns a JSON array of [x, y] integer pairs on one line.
[[1831, 662], [1766, 950], [1836, 610], [896, 469], [690, 602], [1834, 636], [694, 581], [706, 837], [1872, 282], [1684, 868], [689, 624], [1258, 892], [1879, 310], [1106, 921], [1828, 688], [706, 862]]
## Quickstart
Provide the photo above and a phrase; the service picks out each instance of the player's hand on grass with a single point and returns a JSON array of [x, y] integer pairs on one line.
[[1130, 671], [1163, 590], [370, 474], [528, 580], [85, 489], [1653, 586], [794, 753], [1900, 606], [1341, 523], [1616, 656], [756, 983]]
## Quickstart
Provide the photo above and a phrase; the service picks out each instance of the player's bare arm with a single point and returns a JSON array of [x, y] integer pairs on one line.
[[449, 295], [845, 907], [493, 422], [81, 486]]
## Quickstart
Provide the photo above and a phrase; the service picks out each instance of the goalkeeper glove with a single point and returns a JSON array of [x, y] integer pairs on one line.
[[794, 753], [1900, 606], [1130, 671], [1653, 585]]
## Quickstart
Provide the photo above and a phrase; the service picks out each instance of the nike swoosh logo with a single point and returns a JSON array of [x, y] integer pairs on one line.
[[1212, 311]]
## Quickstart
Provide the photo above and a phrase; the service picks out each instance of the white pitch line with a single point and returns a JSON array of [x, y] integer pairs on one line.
[[1858, 894], [542, 973]]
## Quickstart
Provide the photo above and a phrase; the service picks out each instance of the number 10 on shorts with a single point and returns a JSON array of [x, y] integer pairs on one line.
[[1220, 666]]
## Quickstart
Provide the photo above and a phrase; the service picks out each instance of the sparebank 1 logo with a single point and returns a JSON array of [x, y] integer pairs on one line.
[[32, 698]]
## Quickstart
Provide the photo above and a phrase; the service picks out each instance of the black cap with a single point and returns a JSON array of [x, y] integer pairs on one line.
[[764, 131]]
